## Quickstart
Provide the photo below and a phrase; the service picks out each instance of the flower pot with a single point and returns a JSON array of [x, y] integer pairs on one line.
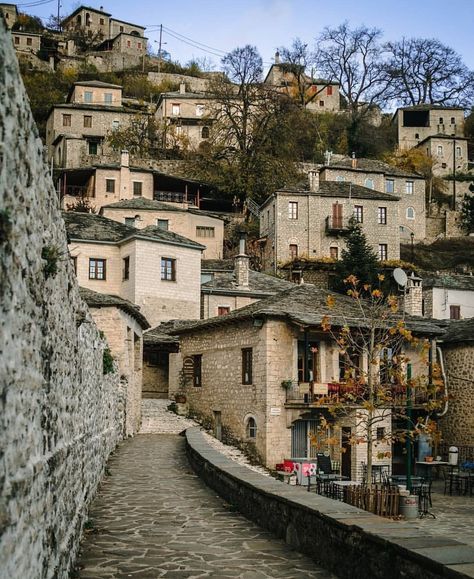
[[180, 398]]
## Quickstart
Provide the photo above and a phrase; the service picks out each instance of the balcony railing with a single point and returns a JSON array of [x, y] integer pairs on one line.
[[174, 197], [337, 224]]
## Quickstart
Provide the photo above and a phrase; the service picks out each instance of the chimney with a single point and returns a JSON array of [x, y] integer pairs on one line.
[[241, 264], [414, 296], [124, 158], [182, 88], [277, 57], [313, 177], [354, 161]]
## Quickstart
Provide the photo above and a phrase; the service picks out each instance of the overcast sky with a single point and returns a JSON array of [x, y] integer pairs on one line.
[[223, 24]]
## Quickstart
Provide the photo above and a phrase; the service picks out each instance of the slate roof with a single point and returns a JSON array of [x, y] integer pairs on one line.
[[260, 285], [140, 203], [97, 300], [217, 265], [370, 165], [450, 281], [91, 227], [164, 332], [97, 84], [429, 107], [459, 331], [306, 305]]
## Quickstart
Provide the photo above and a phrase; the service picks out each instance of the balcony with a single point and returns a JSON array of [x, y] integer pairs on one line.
[[337, 225]]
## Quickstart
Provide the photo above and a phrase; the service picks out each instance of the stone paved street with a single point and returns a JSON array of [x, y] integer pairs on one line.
[[154, 517]]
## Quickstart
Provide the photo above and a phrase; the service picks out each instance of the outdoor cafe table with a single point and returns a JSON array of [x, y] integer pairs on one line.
[[426, 467]]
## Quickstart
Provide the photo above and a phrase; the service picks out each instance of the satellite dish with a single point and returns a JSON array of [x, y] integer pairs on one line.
[[400, 276]]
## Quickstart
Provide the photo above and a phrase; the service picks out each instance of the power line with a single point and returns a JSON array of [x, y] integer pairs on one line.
[[38, 3]]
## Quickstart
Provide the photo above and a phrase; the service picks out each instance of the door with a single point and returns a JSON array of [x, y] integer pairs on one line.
[[302, 433], [346, 461], [337, 216]]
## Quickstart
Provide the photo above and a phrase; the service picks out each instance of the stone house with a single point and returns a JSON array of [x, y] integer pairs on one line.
[[322, 95], [190, 222], [76, 130], [123, 326], [26, 42], [313, 223], [448, 152], [155, 269], [448, 296], [457, 345], [189, 113], [380, 176], [9, 13], [233, 369]]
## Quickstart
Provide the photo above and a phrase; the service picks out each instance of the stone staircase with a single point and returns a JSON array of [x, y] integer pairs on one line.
[[156, 419]]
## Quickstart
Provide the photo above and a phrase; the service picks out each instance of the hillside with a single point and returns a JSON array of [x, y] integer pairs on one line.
[[444, 254]]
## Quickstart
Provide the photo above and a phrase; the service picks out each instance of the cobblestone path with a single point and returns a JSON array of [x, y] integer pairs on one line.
[[153, 517]]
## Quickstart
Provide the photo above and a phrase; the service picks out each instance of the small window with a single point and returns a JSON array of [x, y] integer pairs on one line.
[[17, 40], [382, 216], [441, 121], [458, 152], [205, 133], [197, 370], [251, 428], [129, 44], [115, 125], [409, 187], [293, 251], [383, 251], [97, 268], [410, 213], [101, 21], [205, 231], [247, 356], [163, 224], [292, 210], [175, 109], [139, 45], [87, 96], [168, 269], [329, 90], [340, 178], [121, 28], [87, 121], [443, 165], [380, 433], [334, 253], [417, 135], [93, 147], [137, 188], [108, 98], [200, 110], [66, 120], [126, 268], [455, 312], [390, 186], [29, 42], [359, 213], [369, 183], [439, 150], [223, 310], [110, 185], [130, 221], [321, 103], [88, 19], [453, 121]]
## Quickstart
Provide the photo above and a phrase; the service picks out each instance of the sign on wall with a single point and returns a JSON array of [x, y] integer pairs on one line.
[[188, 368]]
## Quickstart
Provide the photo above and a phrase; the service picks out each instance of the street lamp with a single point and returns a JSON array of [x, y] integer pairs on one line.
[[412, 236]]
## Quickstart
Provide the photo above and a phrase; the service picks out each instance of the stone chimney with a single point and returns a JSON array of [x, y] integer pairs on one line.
[[182, 88], [124, 158], [313, 177], [277, 57], [414, 296], [354, 161], [241, 264]]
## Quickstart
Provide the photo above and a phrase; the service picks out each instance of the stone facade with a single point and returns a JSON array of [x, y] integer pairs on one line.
[[439, 301], [193, 83], [60, 416], [26, 42], [10, 14], [100, 22], [211, 303], [447, 152]]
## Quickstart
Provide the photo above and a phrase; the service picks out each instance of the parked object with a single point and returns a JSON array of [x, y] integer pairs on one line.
[[453, 455], [409, 507]]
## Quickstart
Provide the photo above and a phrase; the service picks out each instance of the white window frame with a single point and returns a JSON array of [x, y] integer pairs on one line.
[[107, 100], [410, 210], [292, 210], [383, 248], [369, 183], [409, 187], [175, 109], [387, 188], [86, 96], [200, 110]]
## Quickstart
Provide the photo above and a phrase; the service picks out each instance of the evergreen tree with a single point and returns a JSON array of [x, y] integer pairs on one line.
[[467, 214], [358, 259]]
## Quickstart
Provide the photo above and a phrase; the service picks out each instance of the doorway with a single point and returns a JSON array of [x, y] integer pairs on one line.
[[346, 459]]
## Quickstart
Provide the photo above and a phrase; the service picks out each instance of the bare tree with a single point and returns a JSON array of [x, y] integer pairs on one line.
[[352, 57], [423, 70]]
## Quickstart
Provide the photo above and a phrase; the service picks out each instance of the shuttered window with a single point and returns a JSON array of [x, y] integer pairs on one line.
[[247, 366]]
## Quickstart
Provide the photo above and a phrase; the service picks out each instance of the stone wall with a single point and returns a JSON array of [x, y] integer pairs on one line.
[[60, 417], [193, 83]]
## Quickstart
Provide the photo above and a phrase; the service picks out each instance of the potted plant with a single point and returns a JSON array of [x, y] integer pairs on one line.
[[180, 398], [286, 384]]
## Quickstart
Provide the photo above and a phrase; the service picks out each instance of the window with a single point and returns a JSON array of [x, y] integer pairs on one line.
[[441, 121], [453, 121], [129, 44], [96, 268], [458, 152], [410, 213], [205, 133], [369, 183], [110, 185], [87, 96], [340, 178], [329, 90], [168, 269], [251, 428], [17, 40], [382, 216], [247, 366], [359, 213], [199, 110], [66, 120], [455, 312], [93, 147], [88, 19], [439, 150], [409, 187], [293, 251], [443, 165], [197, 370], [137, 188], [101, 21], [292, 210], [121, 28], [334, 253], [139, 45], [130, 221], [115, 125], [417, 135], [321, 103], [380, 433], [383, 251], [126, 268], [108, 98], [87, 121], [162, 224], [390, 186], [29, 41], [175, 109], [223, 310], [205, 231]]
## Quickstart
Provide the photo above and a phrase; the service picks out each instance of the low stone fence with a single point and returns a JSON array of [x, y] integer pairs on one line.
[[352, 543]]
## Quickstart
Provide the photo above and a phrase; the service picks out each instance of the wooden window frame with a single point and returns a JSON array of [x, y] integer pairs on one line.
[[247, 366], [359, 213], [197, 370], [456, 310], [383, 249], [126, 268], [221, 312], [205, 231], [87, 121], [134, 183], [164, 269], [107, 182], [382, 215], [67, 120], [93, 273], [292, 210]]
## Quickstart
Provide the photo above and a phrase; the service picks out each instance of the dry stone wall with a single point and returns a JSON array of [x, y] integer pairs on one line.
[[60, 416]]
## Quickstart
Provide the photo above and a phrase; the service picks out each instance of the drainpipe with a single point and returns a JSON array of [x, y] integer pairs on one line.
[[305, 358], [445, 382]]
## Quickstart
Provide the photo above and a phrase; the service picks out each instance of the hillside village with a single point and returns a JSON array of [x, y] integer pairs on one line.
[[209, 252]]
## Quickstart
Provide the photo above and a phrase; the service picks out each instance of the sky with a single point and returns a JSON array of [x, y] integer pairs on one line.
[[222, 25]]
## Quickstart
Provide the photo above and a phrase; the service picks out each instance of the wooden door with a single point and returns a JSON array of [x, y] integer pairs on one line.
[[337, 216], [346, 461]]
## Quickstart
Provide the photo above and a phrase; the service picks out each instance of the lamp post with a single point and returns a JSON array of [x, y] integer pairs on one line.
[[412, 237]]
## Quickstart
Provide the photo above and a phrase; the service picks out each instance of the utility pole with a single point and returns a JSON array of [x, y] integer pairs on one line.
[[454, 173], [59, 17], [159, 48]]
